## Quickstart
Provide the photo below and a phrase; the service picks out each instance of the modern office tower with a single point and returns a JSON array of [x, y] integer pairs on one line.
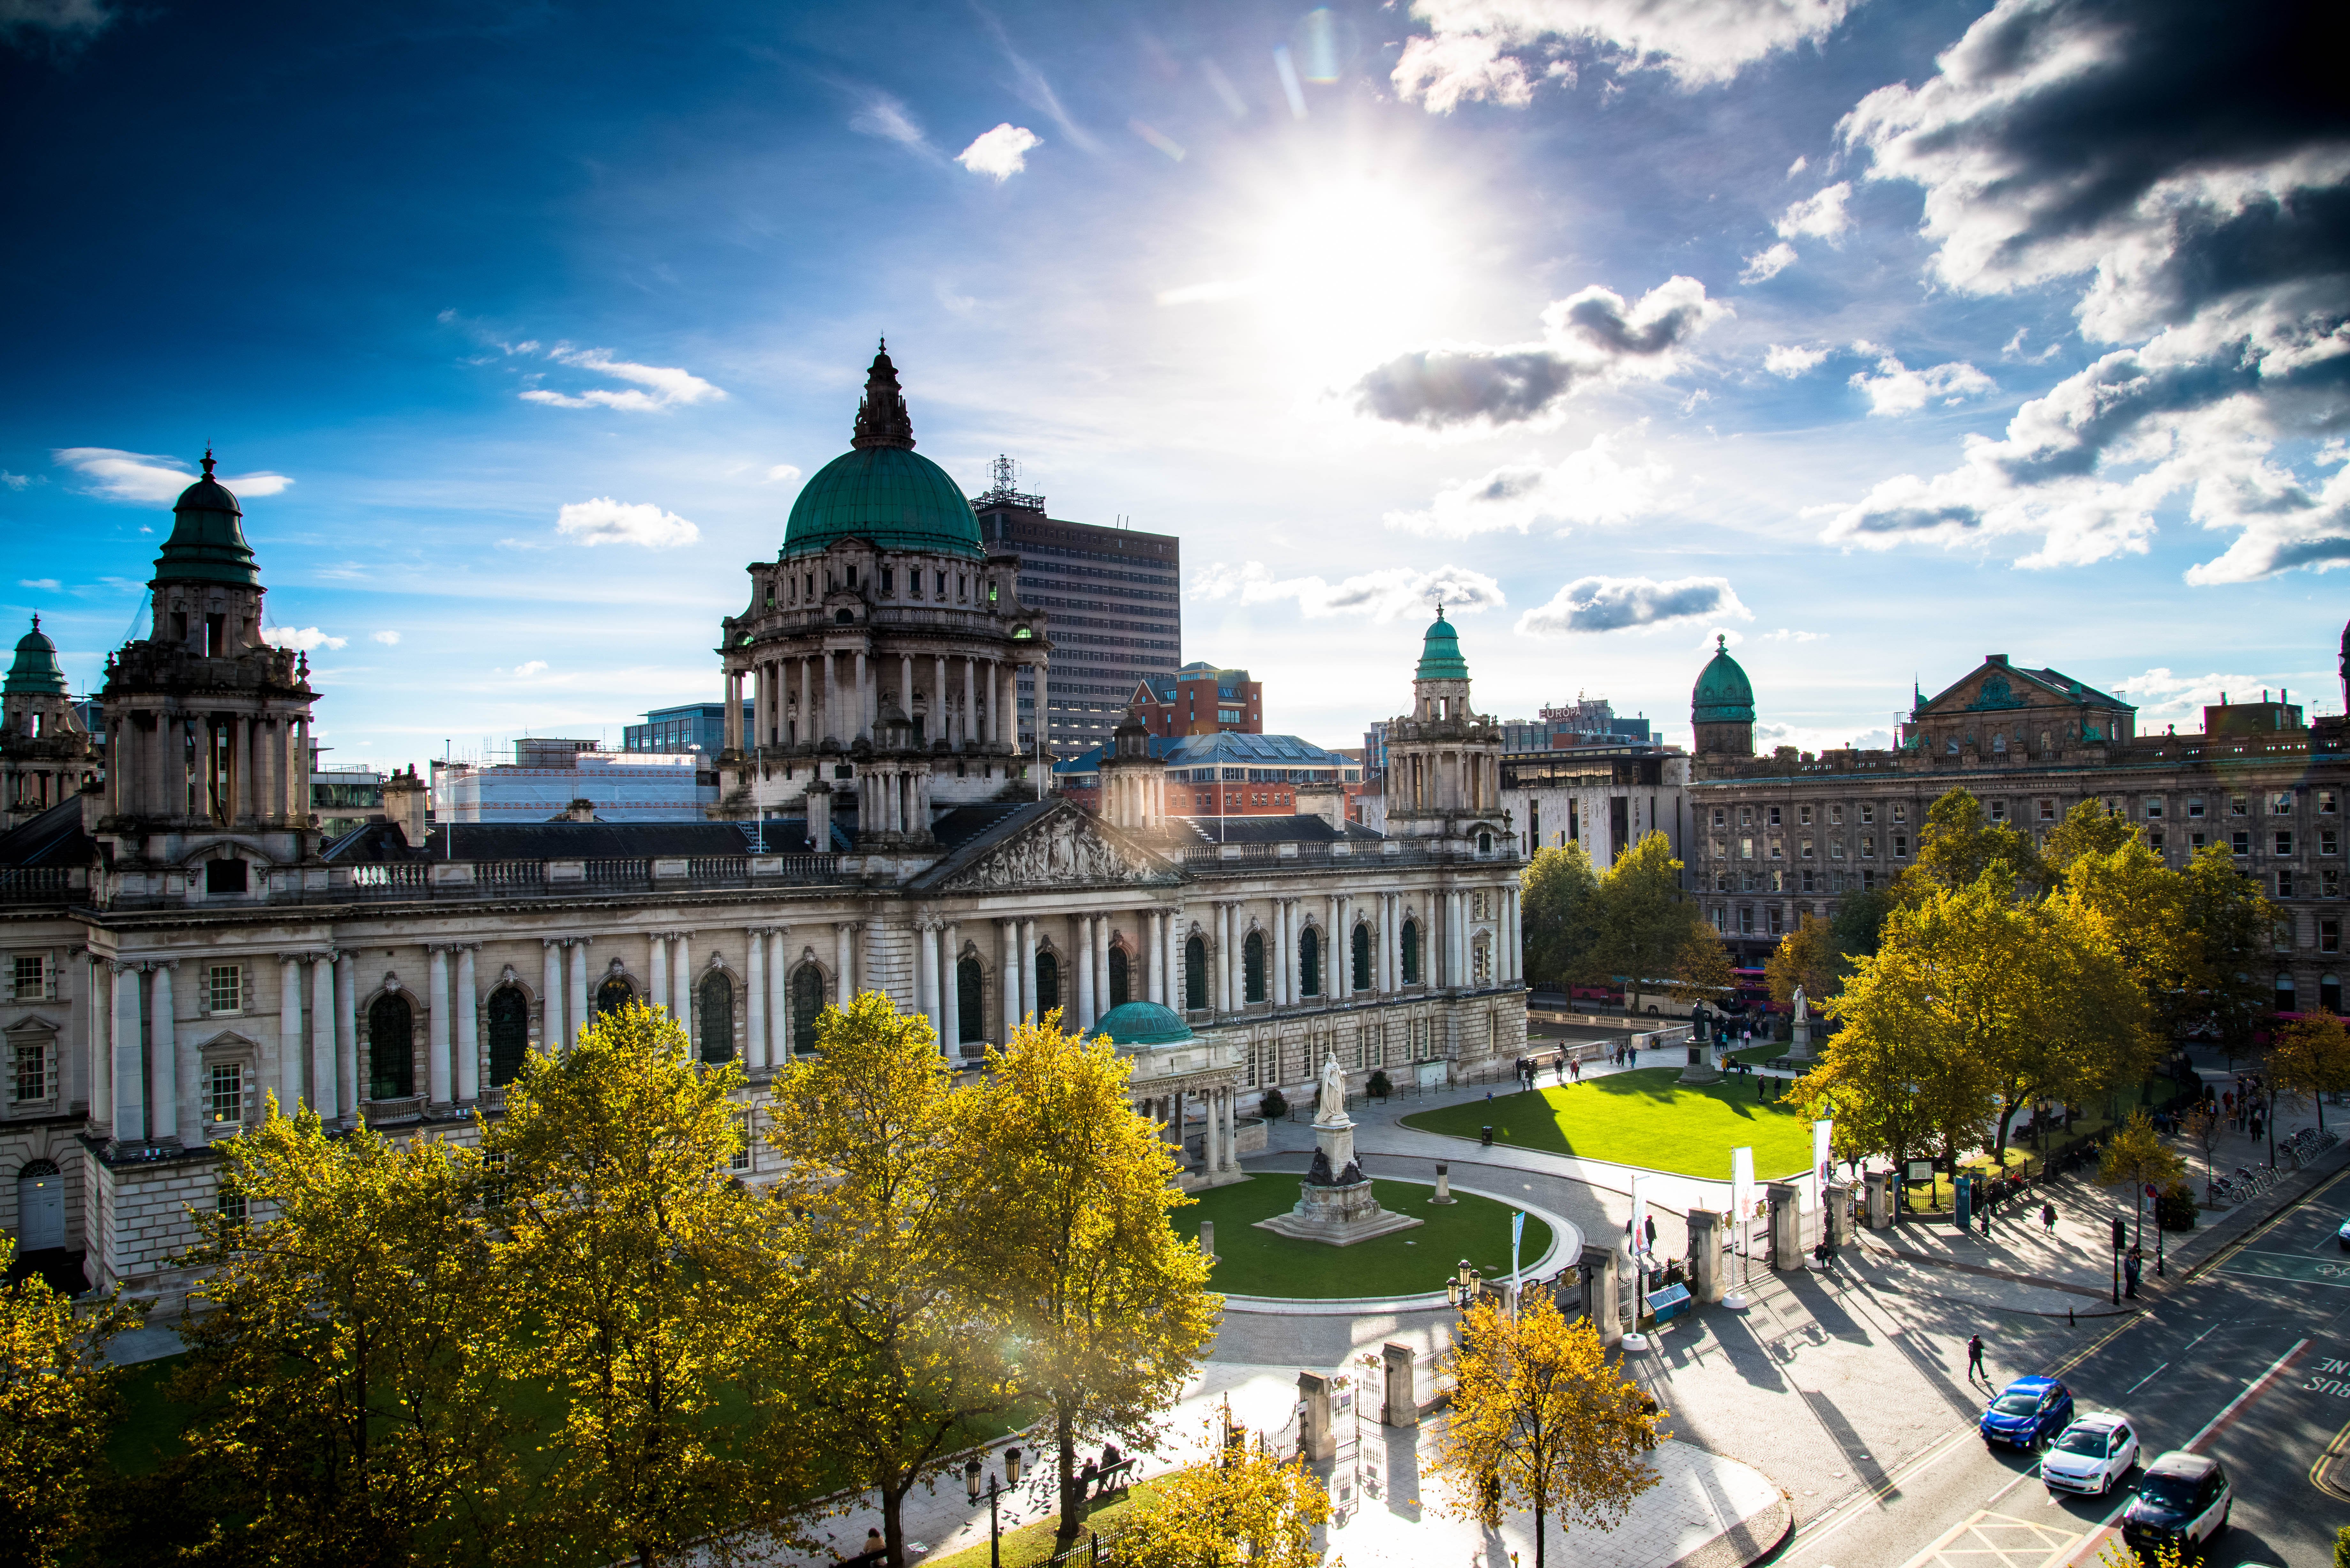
[[1114, 599]]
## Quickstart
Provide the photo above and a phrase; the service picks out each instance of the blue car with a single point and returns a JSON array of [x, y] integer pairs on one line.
[[2027, 1412]]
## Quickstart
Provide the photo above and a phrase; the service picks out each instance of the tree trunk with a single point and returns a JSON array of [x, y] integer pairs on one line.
[[1999, 1148], [893, 1530], [1538, 1533], [1073, 1499]]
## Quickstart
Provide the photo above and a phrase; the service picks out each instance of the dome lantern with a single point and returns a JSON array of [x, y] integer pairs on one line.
[[207, 543], [880, 490], [36, 672], [1721, 705]]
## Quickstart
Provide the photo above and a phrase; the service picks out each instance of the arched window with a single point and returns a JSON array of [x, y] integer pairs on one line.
[[614, 994], [1048, 983], [1411, 952], [971, 1009], [1362, 957], [807, 1006], [1117, 980], [713, 1014], [2329, 993], [1195, 974], [1253, 968], [1309, 962], [391, 1049], [2283, 992], [509, 1013]]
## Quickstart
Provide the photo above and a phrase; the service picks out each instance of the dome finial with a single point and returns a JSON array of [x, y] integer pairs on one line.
[[881, 417], [208, 460]]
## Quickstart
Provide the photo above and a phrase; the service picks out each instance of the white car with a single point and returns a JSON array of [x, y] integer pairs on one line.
[[2090, 1455]]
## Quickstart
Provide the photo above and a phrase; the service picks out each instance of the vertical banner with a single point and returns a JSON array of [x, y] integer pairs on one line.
[[1822, 1162], [1742, 1192], [1637, 1240], [1517, 1234]]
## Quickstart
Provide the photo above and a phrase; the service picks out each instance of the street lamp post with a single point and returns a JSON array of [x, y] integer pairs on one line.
[[971, 1474]]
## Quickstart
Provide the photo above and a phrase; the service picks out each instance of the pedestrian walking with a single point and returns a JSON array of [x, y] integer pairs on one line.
[[1975, 1360], [2048, 1218], [1986, 1221]]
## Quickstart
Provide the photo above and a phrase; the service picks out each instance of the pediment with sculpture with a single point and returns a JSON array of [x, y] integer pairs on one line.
[[1066, 849]]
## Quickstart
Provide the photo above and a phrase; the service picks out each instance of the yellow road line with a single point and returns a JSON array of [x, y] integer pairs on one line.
[[2318, 1477]]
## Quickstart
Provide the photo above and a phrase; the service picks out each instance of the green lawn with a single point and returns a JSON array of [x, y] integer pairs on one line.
[[1259, 1263], [1033, 1544], [1643, 1118]]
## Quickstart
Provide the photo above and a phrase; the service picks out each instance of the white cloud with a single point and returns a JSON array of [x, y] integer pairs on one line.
[[1598, 604], [881, 114], [45, 584], [670, 385], [121, 475], [1002, 152], [1591, 486], [1897, 389], [388, 638], [522, 545], [783, 474], [605, 521], [1818, 216], [14, 480], [1791, 362], [1764, 266], [66, 22], [1483, 50], [1381, 594], [1798, 166], [1788, 634], [304, 638], [534, 667]]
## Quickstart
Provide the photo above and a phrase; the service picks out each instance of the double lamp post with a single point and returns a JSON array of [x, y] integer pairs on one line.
[[970, 1473]]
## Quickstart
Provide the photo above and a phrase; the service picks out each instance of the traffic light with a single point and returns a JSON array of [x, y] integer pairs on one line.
[[2121, 1235]]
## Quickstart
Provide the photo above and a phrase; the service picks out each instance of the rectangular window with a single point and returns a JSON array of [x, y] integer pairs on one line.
[[1721, 921], [1745, 919], [1868, 814], [1775, 927], [2238, 806], [1900, 812], [2154, 841], [1778, 849], [2283, 843], [2281, 935], [1836, 816], [2329, 883], [1869, 881], [1720, 816], [2283, 805], [1804, 850], [2047, 810], [2329, 936], [1746, 848], [2194, 844], [1900, 846], [2328, 841], [741, 1159], [1836, 848], [1803, 816], [1774, 817], [2329, 802], [225, 1100], [232, 1207], [1811, 884], [2284, 884], [1868, 847], [1999, 811], [32, 1074], [31, 979], [1745, 816], [224, 988], [2154, 808], [2241, 843], [2195, 808]]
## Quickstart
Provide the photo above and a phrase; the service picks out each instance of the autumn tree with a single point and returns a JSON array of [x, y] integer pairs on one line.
[[1887, 1075], [897, 1348], [1110, 1307], [1542, 1420], [1558, 902], [2135, 1156], [1807, 956], [1650, 932], [2139, 907], [59, 1399], [2311, 1057], [343, 1378], [1860, 919], [1957, 843], [2088, 829], [2234, 926], [2201, 1124], [1241, 1509], [641, 1281]]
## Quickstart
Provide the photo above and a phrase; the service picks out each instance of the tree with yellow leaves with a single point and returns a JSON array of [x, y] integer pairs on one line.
[[641, 1282], [1807, 956], [897, 1350], [1242, 1509], [2311, 1056], [343, 1380], [1111, 1307], [1887, 1076], [1648, 930], [2135, 1156], [1541, 1420], [59, 1397]]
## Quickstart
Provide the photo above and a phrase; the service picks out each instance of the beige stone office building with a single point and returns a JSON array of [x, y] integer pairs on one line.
[[179, 944]]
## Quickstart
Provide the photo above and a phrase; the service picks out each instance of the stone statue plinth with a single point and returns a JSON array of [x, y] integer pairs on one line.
[[1701, 1068], [1334, 1204], [1799, 1034]]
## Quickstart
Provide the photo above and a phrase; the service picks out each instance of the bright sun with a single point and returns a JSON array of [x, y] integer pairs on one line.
[[1350, 271]]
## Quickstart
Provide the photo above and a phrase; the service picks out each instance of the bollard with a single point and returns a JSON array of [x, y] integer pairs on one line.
[[1443, 1184], [1402, 1407], [1207, 1240]]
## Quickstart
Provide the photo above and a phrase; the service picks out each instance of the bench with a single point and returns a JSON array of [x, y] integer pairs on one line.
[[1117, 1478]]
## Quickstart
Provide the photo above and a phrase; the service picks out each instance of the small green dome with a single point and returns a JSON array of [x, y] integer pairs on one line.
[[1143, 1023], [879, 490], [1440, 653], [1722, 695], [207, 543], [36, 671]]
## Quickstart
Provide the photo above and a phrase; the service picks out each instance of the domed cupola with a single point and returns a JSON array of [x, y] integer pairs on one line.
[[1133, 1023], [1721, 706], [880, 491], [36, 672], [1439, 652], [207, 543]]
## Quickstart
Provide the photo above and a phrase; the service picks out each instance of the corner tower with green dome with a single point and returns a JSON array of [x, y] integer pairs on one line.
[[879, 653], [1444, 758], [1721, 707], [45, 754]]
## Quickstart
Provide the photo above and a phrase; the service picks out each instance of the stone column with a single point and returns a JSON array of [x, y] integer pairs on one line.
[[1028, 991], [964, 739], [1277, 936], [469, 1026], [925, 977], [1391, 939], [1211, 1155], [97, 1042], [657, 975], [1085, 929], [681, 984], [347, 1036], [322, 1034], [732, 738], [189, 1071], [754, 982], [831, 696], [1174, 929], [1219, 988], [950, 990], [290, 1031], [163, 1057], [1007, 977], [436, 1049], [555, 1039], [240, 767], [1337, 953], [779, 1010], [576, 1011], [129, 1058], [843, 982], [1102, 924], [1155, 945]]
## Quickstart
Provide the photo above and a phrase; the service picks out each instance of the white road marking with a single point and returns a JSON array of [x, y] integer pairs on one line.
[[2146, 1379]]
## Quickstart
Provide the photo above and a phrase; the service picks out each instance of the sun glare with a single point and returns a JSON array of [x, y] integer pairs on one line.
[[1350, 271]]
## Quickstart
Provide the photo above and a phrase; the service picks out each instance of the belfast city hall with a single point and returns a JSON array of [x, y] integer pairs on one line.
[[182, 943]]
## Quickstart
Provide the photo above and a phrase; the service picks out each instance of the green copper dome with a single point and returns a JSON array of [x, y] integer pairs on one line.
[[36, 671], [1440, 653], [881, 492], [207, 543], [1143, 1023], [1722, 695]]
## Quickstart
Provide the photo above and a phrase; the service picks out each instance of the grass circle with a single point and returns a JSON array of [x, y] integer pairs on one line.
[[1254, 1262]]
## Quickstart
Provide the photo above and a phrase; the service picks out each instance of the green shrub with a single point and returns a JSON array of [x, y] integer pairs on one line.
[[1378, 1088], [2175, 1210], [1274, 1107]]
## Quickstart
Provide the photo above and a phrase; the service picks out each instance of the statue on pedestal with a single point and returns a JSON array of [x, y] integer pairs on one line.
[[1330, 1104]]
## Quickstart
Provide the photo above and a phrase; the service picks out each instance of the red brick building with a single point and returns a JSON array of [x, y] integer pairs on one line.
[[1202, 700]]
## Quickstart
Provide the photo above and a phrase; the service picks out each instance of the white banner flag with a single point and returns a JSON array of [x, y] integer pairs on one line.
[[1822, 1162], [1741, 1190]]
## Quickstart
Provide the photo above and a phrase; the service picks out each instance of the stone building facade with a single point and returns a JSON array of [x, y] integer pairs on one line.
[[1774, 838], [181, 945]]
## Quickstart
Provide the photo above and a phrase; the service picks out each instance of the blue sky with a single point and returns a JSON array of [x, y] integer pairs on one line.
[[1875, 336]]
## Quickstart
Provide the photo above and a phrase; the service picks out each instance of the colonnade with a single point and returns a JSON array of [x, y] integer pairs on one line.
[[247, 767], [1445, 957], [1171, 1107], [835, 693]]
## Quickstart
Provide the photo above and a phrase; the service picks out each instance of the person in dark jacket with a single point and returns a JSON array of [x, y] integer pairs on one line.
[[1975, 1359]]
